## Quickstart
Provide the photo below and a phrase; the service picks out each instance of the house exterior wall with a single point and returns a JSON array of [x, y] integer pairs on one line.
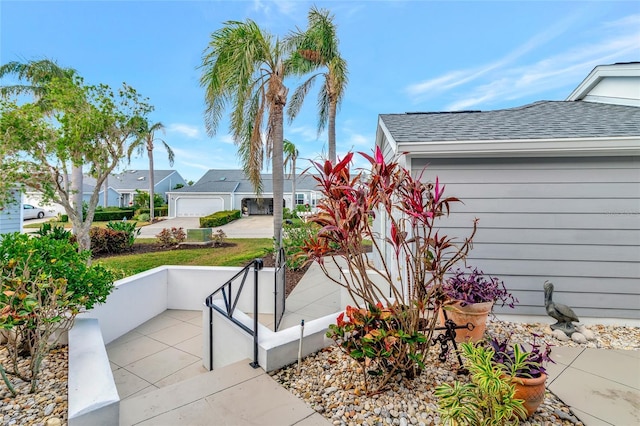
[[167, 184], [572, 221], [620, 90], [11, 215]]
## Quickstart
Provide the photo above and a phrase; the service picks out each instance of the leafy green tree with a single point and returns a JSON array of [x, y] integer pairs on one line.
[[317, 48], [291, 153], [85, 125], [244, 68], [145, 140], [36, 75]]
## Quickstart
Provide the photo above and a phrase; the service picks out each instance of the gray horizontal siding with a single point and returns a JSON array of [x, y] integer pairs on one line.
[[573, 221]]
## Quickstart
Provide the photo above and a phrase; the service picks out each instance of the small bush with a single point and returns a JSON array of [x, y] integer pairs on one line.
[[56, 232], [218, 238], [44, 284], [219, 218], [128, 227], [171, 237], [64, 218], [295, 233], [104, 240], [144, 217], [157, 211]]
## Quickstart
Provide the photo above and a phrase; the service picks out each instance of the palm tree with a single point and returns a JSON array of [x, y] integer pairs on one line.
[[291, 152], [38, 73], [145, 140], [315, 48], [244, 67]]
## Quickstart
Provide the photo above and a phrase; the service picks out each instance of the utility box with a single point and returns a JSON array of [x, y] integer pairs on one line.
[[201, 235]]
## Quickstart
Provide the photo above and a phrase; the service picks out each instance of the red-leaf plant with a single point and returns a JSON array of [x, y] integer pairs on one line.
[[413, 270]]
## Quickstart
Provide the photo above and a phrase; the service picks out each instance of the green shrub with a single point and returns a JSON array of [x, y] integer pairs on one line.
[[294, 234], [64, 218], [104, 240], [107, 215], [128, 227], [56, 232], [157, 211], [44, 284], [144, 217], [219, 218]]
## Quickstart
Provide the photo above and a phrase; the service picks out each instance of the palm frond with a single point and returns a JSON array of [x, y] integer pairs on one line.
[[297, 98]]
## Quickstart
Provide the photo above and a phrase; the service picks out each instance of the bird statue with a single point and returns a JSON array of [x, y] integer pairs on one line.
[[562, 313]]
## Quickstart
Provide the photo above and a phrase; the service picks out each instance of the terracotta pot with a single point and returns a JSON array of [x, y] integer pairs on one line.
[[531, 391], [474, 313]]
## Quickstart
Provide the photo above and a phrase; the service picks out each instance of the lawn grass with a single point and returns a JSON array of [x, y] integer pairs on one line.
[[243, 250]]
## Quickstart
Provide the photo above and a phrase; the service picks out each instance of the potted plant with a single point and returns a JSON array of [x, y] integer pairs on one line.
[[525, 368], [470, 296], [488, 399]]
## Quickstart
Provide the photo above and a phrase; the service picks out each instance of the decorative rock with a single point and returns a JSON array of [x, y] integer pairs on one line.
[[578, 338], [560, 335], [54, 421], [586, 332], [49, 409]]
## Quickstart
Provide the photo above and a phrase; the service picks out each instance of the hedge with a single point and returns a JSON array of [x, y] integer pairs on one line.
[[157, 211], [105, 216], [219, 218]]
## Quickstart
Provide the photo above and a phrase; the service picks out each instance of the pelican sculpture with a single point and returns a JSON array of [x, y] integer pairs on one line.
[[561, 313]]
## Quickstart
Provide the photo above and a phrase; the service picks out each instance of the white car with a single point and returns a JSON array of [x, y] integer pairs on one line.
[[32, 212]]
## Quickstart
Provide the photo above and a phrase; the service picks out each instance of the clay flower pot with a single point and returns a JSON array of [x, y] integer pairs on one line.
[[463, 313], [531, 390]]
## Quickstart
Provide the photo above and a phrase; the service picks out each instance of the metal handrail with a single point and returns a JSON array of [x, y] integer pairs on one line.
[[230, 306]]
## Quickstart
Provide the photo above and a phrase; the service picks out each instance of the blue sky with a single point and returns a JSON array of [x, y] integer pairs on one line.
[[402, 56]]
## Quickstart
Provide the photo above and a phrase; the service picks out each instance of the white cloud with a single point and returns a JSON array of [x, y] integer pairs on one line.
[[184, 129], [228, 139], [511, 78]]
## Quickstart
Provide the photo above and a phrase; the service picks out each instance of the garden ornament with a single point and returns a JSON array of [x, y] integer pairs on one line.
[[562, 313]]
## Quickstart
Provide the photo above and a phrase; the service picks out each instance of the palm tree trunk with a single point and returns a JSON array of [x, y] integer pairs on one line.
[[278, 174], [151, 185], [333, 106]]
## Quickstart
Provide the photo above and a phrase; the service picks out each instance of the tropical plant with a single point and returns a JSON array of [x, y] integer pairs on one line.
[[57, 232], [516, 361], [245, 67], [317, 47], [417, 256], [145, 141], [45, 282], [291, 154], [489, 399], [474, 286], [294, 235], [128, 228], [141, 200]]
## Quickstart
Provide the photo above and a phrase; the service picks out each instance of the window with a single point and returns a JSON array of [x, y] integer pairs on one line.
[[299, 199]]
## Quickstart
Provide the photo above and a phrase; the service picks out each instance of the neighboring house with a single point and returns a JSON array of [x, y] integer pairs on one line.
[[555, 184], [122, 186], [221, 190], [11, 214]]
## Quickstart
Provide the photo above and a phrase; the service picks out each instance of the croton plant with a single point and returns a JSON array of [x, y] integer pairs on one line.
[[412, 265]]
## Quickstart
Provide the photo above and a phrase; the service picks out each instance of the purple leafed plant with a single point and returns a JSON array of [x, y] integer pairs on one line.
[[533, 365], [473, 286]]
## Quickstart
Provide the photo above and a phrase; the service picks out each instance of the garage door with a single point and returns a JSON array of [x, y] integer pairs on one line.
[[197, 207]]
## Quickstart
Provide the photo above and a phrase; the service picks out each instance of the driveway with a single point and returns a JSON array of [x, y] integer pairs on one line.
[[245, 227]]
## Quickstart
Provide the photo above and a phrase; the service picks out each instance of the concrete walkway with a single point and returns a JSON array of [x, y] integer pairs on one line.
[[245, 227], [161, 381]]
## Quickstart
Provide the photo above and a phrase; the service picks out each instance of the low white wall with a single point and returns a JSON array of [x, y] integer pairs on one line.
[[93, 397], [134, 300], [189, 286], [275, 349]]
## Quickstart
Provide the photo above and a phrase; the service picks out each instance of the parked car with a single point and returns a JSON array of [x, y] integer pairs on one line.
[[32, 212]]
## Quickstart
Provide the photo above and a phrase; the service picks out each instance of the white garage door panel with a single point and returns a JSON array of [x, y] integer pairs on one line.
[[197, 207]]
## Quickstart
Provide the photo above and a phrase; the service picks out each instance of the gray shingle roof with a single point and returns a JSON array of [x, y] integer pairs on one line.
[[539, 120], [225, 181], [136, 179]]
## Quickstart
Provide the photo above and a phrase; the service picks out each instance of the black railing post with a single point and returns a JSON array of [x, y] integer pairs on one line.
[[210, 334], [257, 266]]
